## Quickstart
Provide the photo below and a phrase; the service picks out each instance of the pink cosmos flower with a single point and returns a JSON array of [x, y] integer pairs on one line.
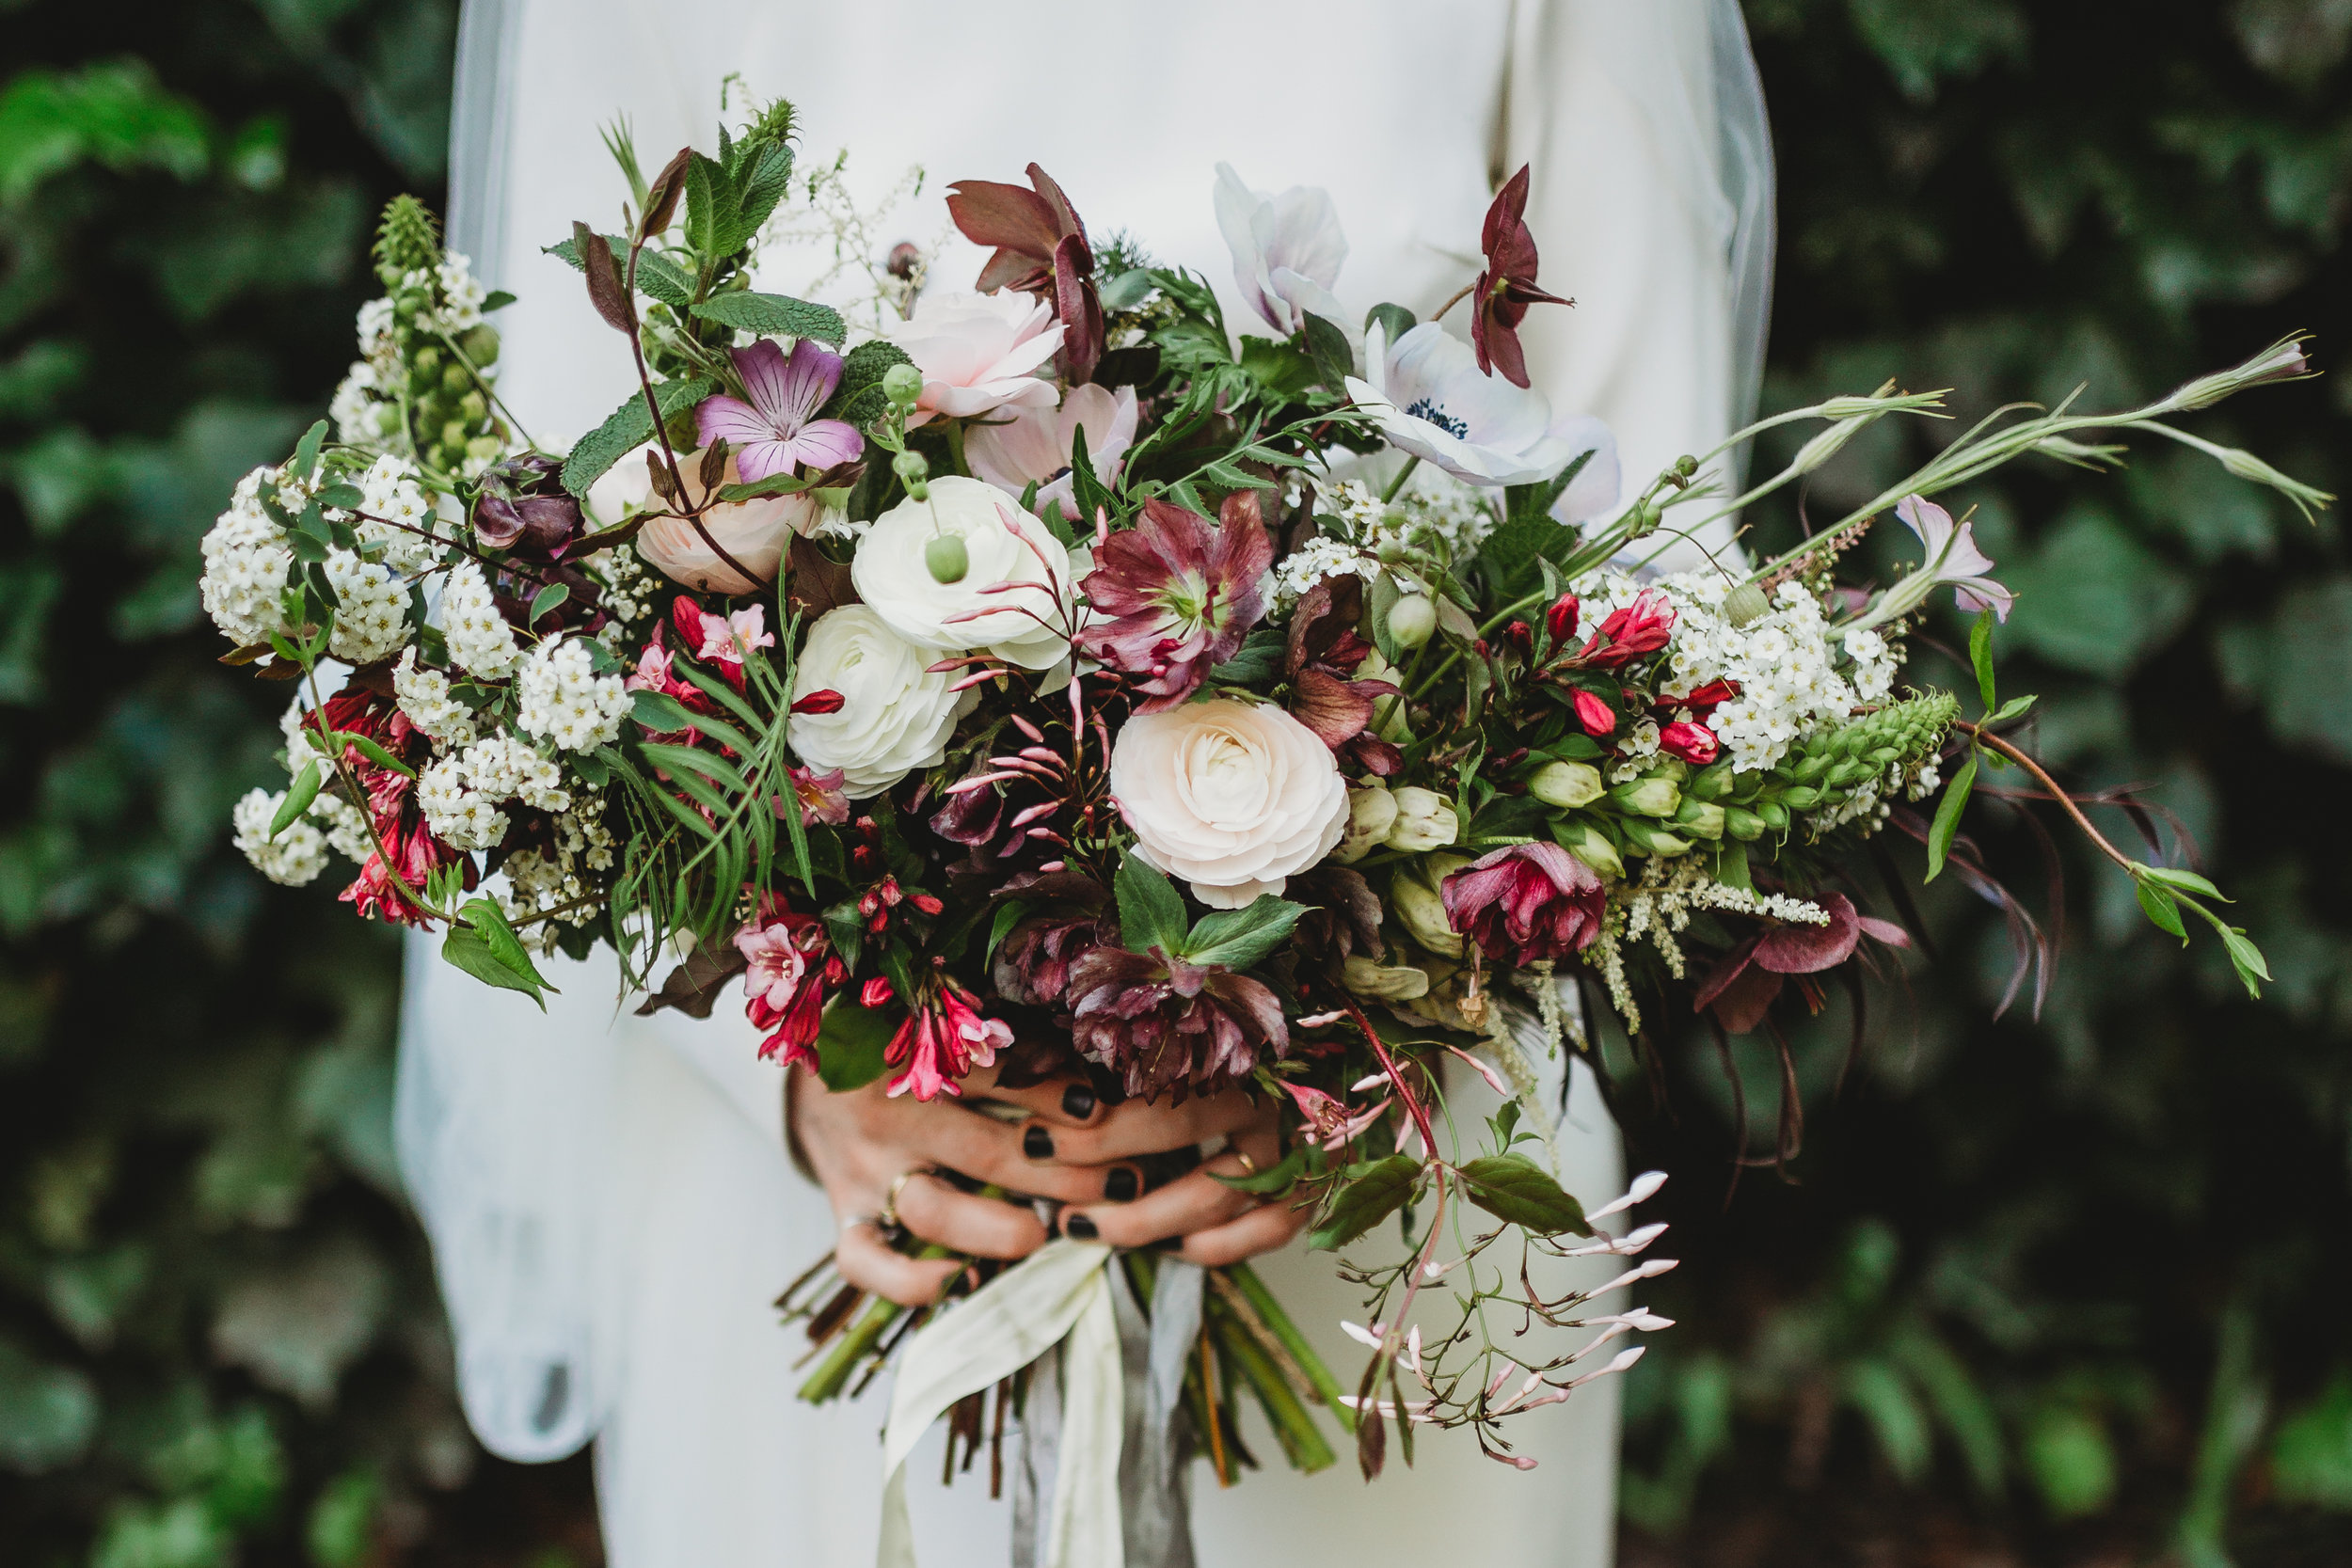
[[1181, 596], [1037, 445], [1953, 556], [792, 966], [1528, 902], [777, 429], [942, 1042]]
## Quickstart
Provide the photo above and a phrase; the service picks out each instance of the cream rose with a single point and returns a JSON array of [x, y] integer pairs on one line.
[[980, 352], [1233, 797], [895, 717], [754, 532], [1014, 598]]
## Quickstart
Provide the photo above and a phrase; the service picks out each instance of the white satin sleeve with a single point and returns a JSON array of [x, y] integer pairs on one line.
[[1651, 203]]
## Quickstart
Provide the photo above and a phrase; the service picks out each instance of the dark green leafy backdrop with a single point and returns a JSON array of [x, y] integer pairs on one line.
[[2065, 1290]]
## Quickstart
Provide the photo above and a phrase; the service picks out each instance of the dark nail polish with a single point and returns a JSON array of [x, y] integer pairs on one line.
[[1168, 1243], [1119, 1185], [1078, 1227], [1078, 1103], [1038, 1144]]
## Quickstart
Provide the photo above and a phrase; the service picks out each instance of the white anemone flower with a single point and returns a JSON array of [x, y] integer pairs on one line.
[[1287, 250], [1427, 395]]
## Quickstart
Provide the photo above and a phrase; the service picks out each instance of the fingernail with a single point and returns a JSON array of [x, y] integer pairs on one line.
[[1168, 1243], [1078, 1103], [1036, 1143], [1078, 1227], [1119, 1185]]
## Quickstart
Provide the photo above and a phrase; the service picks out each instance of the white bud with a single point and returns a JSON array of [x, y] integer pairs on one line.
[[1425, 821], [1567, 784]]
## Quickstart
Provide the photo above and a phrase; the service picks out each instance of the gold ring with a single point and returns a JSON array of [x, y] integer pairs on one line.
[[1248, 1164], [888, 1218]]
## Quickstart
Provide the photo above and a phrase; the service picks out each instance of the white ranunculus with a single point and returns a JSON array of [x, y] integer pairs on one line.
[[1233, 797], [895, 715], [1025, 624], [1287, 250], [1426, 394], [980, 352]]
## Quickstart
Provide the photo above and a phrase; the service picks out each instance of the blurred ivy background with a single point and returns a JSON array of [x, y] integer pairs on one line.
[[2064, 1289]]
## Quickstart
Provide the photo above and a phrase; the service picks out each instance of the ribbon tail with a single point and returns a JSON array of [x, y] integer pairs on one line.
[[1152, 1469], [1083, 1530]]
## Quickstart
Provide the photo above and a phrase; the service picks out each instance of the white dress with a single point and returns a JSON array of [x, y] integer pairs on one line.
[[609, 1198]]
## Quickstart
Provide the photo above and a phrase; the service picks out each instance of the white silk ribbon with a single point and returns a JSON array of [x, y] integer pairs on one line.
[[1060, 1294]]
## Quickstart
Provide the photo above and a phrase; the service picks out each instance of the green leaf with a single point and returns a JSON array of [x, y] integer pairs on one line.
[[1529, 531], [657, 274], [1396, 321], [859, 397], [371, 749], [661, 713], [1327, 346], [465, 947], [299, 795], [1980, 656], [1372, 1192], [625, 428], [1239, 938], [778, 315], [849, 1046], [2187, 881], [1515, 1189], [1255, 662], [2245, 957], [306, 457], [711, 210], [1008, 915], [710, 765], [2012, 709], [546, 599], [1948, 812], [1150, 911], [2160, 908], [489, 921]]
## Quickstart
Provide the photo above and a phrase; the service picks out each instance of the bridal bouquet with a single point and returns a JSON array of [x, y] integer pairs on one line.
[[1052, 676]]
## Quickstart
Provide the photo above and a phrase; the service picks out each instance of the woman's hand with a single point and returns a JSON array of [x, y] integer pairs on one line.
[[1070, 1147]]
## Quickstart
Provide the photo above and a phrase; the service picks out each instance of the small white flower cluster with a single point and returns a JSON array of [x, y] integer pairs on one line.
[[1431, 515], [389, 490], [245, 565], [480, 640], [462, 293], [291, 859], [372, 610], [346, 828], [1872, 801], [365, 415], [625, 587], [1785, 660], [540, 882], [424, 697], [459, 794], [565, 702]]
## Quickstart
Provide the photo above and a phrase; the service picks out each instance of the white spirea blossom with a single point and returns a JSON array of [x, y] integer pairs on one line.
[[346, 828], [1432, 516], [295, 857], [1785, 660], [245, 565], [372, 617], [505, 769], [424, 697], [390, 490], [480, 640], [462, 818], [565, 703], [355, 404], [539, 882], [462, 293]]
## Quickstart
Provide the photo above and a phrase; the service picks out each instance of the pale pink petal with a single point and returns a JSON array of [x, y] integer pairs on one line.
[[762, 459], [826, 444], [732, 420]]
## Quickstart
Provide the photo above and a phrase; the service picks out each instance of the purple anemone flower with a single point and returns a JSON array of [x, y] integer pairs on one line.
[[774, 430]]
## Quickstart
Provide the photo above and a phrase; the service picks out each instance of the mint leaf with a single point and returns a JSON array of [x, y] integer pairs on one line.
[[777, 314], [627, 427]]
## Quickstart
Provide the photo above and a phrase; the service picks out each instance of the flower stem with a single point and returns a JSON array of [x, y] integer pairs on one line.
[[1294, 1425], [1986, 737], [1261, 1301], [1398, 483]]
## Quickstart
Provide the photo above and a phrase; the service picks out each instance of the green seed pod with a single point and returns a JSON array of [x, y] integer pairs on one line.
[[426, 363], [902, 383], [1648, 797], [1567, 784], [1699, 817], [1712, 783], [481, 343], [454, 435], [472, 409], [483, 449], [1744, 604], [946, 559], [1801, 798], [455, 378], [1411, 620]]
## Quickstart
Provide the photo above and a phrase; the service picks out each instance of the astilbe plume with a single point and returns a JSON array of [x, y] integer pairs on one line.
[[1180, 593], [1168, 1027]]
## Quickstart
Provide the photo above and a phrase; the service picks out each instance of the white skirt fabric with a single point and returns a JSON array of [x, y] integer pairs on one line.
[[609, 1202]]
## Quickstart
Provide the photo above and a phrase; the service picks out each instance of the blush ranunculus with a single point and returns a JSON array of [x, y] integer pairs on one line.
[[1015, 598], [1234, 797], [895, 715], [1036, 445], [979, 352], [754, 532]]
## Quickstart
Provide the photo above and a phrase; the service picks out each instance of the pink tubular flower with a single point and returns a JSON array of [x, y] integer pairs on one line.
[[1525, 903], [776, 430], [792, 965], [821, 797], [725, 640], [1953, 556], [1641, 627], [1179, 596], [941, 1041], [1694, 743], [1596, 716]]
